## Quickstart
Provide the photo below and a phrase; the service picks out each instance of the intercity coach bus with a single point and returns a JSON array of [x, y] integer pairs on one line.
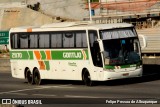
[[75, 51]]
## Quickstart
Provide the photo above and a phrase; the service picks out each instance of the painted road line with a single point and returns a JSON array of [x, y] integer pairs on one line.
[[39, 88], [58, 86], [22, 90], [74, 96], [45, 95], [18, 93]]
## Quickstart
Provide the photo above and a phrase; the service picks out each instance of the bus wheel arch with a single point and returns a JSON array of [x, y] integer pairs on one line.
[[36, 77], [86, 77]]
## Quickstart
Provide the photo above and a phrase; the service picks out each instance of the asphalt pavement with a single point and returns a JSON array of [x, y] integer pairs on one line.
[[76, 94], [61, 92]]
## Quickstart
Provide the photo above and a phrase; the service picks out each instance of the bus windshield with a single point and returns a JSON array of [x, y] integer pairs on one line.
[[121, 51]]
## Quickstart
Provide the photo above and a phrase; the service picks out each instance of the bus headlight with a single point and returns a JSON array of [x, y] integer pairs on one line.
[[138, 66]]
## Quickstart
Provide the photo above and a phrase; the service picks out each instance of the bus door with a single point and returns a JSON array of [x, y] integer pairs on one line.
[[96, 54], [97, 58]]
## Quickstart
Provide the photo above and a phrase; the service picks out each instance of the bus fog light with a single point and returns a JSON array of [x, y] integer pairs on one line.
[[137, 67]]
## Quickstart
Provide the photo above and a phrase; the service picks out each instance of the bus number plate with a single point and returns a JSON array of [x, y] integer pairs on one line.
[[126, 74]]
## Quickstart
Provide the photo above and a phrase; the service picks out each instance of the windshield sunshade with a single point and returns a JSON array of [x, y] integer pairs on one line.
[[117, 33]]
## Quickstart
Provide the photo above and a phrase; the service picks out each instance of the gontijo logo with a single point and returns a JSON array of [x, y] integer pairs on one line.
[[72, 55]]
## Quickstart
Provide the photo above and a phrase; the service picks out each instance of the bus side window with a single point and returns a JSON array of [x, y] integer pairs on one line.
[[68, 40], [81, 40], [23, 41], [14, 41], [44, 41], [53, 40], [33, 41], [56, 40]]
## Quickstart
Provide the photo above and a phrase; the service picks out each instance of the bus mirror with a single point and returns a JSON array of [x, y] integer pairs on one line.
[[144, 41]]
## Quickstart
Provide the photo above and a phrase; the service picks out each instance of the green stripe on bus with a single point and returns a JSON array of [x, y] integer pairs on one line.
[[47, 65], [128, 66], [68, 55], [24, 55], [19, 55], [109, 67], [43, 55], [55, 55], [31, 54], [122, 66]]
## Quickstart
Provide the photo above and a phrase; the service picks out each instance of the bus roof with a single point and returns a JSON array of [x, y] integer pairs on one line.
[[70, 26]]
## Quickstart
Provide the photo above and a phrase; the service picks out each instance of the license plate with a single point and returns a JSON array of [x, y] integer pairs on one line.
[[126, 74]]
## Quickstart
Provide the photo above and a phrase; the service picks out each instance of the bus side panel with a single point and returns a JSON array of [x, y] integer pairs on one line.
[[18, 67], [14, 69], [65, 69]]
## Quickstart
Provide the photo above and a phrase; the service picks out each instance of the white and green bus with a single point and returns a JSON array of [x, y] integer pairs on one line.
[[75, 51]]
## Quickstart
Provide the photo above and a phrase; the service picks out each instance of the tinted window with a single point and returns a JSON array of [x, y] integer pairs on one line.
[[23, 41], [61, 39], [81, 40], [68, 40], [44, 41], [56, 40], [92, 37], [33, 41], [14, 40]]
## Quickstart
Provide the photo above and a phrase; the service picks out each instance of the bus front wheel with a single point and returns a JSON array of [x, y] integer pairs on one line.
[[87, 79], [29, 77], [36, 77]]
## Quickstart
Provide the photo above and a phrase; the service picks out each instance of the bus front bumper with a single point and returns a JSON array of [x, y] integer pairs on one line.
[[109, 75]]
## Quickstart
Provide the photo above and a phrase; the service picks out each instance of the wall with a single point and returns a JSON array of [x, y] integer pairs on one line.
[[15, 17], [72, 9], [5, 65], [11, 1]]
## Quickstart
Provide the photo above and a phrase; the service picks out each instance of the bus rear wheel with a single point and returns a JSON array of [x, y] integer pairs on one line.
[[87, 79], [36, 77], [29, 76]]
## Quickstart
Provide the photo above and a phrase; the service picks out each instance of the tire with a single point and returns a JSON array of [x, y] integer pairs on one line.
[[87, 79], [29, 77], [36, 77]]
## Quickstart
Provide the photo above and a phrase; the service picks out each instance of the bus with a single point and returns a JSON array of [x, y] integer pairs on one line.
[[75, 51]]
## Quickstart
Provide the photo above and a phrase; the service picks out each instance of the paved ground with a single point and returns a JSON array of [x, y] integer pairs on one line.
[[68, 91]]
